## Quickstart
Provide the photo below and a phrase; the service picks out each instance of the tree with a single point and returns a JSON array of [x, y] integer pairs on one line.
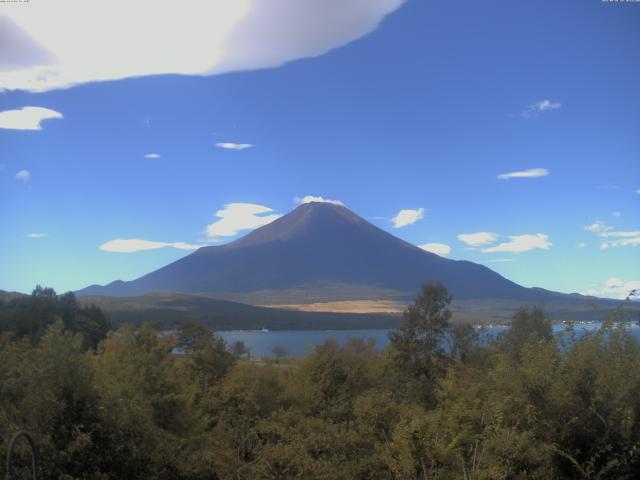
[[527, 326], [464, 339], [280, 352], [210, 358], [240, 349], [417, 346], [30, 317]]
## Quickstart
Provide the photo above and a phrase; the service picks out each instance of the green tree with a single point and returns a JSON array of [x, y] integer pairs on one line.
[[417, 346], [464, 339], [527, 326], [240, 349], [209, 357]]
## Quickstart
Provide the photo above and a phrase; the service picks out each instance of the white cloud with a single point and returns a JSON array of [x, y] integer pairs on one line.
[[616, 214], [311, 198], [26, 118], [203, 37], [441, 249], [499, 260], [233, 146], [542, 106], [530, 173], [152, 155], [619, 238], [478, 238], [637, 191], [598, 227], [23, 176], [626, 242], [236, 217], [36, 235], [407, 217], [522, 243], [615, 288], [132, 245], [581, 245]]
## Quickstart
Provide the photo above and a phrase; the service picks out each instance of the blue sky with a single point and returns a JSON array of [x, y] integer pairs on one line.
[[418, 106]]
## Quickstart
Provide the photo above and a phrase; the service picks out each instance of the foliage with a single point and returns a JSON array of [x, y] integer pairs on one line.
[[525, 407], [30, 317]]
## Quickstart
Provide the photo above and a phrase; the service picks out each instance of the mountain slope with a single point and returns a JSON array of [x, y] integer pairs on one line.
[[170, 310], [319, 246]]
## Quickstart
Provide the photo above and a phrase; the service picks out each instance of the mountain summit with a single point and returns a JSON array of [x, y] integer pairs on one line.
[[319, 250]]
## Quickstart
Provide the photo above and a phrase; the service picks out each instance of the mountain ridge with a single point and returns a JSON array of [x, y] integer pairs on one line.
[[320, 244]]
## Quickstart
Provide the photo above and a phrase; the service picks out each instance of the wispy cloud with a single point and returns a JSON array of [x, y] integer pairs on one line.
[[478, 238], [36, 235], [581, 245], [530, 173], [311, 198], [441, 249], [522, 243], [540, 107], [233, 146], [152, 155], [616, 214], [637, 191], [631, 241], [237, 217], [207, 38], [614, 288], [23, 176], [132, 245], [407, 217], [26, 118], [499, 260], [615, 238]]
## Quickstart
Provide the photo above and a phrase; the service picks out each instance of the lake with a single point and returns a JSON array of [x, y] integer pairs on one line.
[[299, 342]]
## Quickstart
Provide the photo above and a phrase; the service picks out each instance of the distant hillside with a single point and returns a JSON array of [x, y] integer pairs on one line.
[[170, 310], [321, 252], [6, 296]]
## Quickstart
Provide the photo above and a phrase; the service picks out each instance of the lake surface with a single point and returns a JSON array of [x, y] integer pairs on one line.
[[299, 342]]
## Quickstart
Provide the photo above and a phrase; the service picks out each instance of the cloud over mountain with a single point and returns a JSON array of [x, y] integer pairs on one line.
[[132, 245], [522, 243], [407, 217], [478, 238], [237, 217], [199, 37]]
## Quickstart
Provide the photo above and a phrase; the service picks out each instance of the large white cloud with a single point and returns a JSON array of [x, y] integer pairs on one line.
[[109, 40], [407, 217], [441, 249], [522, 243], [478, 238], [236, 217], [26, 118], [132, 245]]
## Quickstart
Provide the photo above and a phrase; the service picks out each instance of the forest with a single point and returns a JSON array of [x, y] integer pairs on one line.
[[437, 403]]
